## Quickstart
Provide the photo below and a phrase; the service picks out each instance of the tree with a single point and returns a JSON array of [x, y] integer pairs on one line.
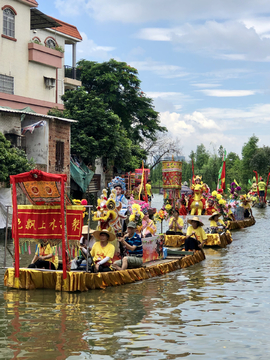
[[13, 161], [118, 85], [98, 132], [261, 161], [248, 151], [162, 146], [201, 156]]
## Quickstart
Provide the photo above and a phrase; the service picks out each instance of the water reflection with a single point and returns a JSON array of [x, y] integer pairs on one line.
[[213, 310]]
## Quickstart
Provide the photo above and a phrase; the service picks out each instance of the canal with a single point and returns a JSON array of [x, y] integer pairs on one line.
[[217, 309]]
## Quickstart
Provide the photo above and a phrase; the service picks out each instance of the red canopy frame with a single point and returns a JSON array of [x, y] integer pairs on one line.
[[37, 175]]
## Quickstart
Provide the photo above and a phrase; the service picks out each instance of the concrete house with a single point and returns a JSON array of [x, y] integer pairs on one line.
[[33, 77]]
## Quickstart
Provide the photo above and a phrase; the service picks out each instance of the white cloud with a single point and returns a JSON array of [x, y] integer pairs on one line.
[[69, 7], [159, 68], [139, 11], [168, 101], [227, 93], [155, 34], [226, 74], [257, 114], [260, 24], [90, 50], [176, 124], [160, 94], [217, 39], [205, 85], [201, 120]]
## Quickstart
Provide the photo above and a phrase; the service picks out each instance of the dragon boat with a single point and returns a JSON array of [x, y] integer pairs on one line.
[[240, 224], [51, 216], [213, 240], [82, 281], [222, 239]]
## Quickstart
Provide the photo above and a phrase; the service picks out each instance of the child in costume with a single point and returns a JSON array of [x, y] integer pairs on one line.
[[119, 185]]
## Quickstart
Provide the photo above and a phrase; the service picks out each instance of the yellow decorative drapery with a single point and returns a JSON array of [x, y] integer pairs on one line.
[[81, 281]]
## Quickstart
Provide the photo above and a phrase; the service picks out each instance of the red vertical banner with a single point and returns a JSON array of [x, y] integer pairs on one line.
[[16, 235], [265, 194], [63, 229]]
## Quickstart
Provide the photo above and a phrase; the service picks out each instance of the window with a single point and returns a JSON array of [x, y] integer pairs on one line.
[[9, 22], [59, 156], [50, 43], [6, 84]]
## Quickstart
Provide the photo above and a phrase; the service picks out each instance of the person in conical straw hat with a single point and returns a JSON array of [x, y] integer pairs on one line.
[[84, 246], [196, 236], [217, 225], [103, 251], [246, 205], [215, 219]]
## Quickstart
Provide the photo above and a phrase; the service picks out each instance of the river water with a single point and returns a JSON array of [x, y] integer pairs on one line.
[[217, 309]]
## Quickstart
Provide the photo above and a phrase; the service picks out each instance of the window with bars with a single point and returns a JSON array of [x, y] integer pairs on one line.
[[59, 156], [9, 22], [6, 84]]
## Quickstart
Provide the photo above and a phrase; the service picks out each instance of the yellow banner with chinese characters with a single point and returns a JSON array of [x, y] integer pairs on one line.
[[44, 222]]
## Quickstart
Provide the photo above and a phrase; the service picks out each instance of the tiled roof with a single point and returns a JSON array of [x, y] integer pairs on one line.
[[67, 29], [33, 2]]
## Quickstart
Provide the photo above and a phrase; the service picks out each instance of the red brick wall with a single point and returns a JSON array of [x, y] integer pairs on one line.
[[59, 131]]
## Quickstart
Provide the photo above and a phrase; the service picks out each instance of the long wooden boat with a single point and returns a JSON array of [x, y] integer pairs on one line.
[[260, 205], [213, 240], [30, 279], [240, 224]]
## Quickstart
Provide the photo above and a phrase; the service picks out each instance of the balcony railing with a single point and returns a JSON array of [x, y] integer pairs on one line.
[[72, 72]]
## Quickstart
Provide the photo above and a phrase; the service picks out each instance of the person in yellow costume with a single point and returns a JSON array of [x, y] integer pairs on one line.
[[246, 204], [230, 213], [196, 236], [217, 225], [45, 257], [176, 224], [103, 251], [261, 187], [149, 191], [197, 203]]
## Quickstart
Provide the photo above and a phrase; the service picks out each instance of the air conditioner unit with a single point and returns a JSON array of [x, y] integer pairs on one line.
[[49, 82]]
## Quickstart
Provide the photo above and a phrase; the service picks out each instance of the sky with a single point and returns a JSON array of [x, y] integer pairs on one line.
[[205, 63]]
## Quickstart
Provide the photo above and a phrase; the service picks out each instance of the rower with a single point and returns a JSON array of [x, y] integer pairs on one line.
[[176, 224], [45, 257], [217, 225], [196, 236], [261, 187], [247, 207]]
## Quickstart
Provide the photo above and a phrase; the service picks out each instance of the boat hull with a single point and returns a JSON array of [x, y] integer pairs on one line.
[[30, 279], [240, 224], [213, 240]]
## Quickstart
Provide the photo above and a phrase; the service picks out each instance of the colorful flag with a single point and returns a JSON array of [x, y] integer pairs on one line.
[[222, 173], [32, 127], [223, 176]]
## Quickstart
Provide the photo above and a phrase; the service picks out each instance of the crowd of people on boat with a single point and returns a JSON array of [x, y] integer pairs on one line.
[[97, 246]]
